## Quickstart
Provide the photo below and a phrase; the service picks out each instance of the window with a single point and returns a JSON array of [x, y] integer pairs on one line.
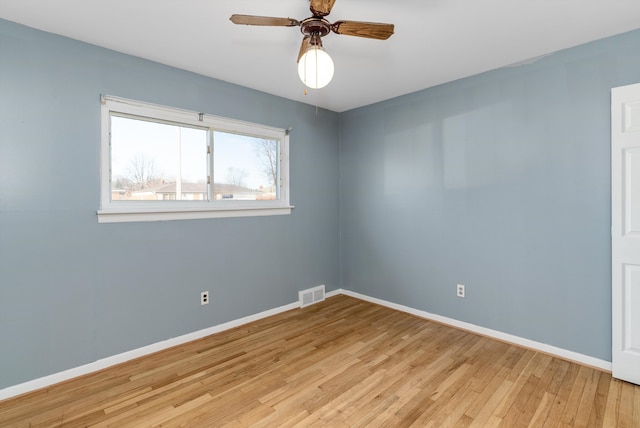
[[159, 163]]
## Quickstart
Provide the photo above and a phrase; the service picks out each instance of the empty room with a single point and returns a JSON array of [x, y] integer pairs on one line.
[[319, 213]]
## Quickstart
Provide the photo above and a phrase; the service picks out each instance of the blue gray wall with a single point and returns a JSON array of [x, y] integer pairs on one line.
[[73, 291], [500, 182]]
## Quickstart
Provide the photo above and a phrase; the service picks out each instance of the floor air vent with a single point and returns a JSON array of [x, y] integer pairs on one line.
[[311, 296]]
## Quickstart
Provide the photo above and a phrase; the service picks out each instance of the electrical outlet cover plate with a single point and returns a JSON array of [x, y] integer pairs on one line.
[[460, 290], [204, 298]]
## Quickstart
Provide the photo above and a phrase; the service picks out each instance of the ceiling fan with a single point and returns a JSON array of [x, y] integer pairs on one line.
[[315, 66]]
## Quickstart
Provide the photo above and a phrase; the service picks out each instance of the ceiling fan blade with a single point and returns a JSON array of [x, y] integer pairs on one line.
[[303, 47], [321, 7], [371, 30], [264, 20]]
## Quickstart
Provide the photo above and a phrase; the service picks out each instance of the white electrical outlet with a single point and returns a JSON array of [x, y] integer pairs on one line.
[[460, 290], [204, 298]]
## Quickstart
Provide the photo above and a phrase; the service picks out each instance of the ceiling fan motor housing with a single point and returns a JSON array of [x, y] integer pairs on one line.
[[315, 25]]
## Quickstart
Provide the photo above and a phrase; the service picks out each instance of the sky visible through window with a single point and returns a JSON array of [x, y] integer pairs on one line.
[[145, 153]]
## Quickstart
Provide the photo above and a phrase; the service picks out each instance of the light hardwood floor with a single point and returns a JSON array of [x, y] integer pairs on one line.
[[339, 363]]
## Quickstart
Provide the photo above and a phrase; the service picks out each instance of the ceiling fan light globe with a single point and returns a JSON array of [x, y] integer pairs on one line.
[[315, 68]]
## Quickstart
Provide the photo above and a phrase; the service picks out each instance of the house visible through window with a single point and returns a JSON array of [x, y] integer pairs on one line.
[[244, 167], [163, 164], [155, 161]]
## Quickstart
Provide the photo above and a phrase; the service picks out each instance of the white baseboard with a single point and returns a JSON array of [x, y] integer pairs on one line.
[[334, 293], [505, 337], [104, 363]]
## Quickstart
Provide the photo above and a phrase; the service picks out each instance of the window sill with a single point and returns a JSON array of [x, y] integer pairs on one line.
[[126, 216]]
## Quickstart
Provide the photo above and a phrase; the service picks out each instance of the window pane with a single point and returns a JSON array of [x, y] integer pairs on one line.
[[153, 161], [244, 167]]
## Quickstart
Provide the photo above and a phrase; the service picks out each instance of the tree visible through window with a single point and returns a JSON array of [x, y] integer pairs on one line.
[[157, 161], [244, 167], [158, 157]]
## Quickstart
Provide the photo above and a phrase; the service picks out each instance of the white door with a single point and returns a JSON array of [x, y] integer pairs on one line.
[[625, 231]]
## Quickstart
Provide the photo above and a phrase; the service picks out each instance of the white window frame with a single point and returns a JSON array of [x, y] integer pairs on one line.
[[132, 211]]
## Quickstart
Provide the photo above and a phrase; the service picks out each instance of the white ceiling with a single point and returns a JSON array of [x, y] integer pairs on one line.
[[435, 41]]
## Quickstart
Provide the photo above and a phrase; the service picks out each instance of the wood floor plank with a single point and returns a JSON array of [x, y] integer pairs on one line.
[[339, 363], [588, 399], [625, 412], [577, 390], [547, 403], [540, 380], [490, 402], [596, 418], [562, 396], [613, 404], [636, 407], [520, 408]]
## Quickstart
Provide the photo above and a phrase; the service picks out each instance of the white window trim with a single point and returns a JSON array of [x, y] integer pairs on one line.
[[134, 211]]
